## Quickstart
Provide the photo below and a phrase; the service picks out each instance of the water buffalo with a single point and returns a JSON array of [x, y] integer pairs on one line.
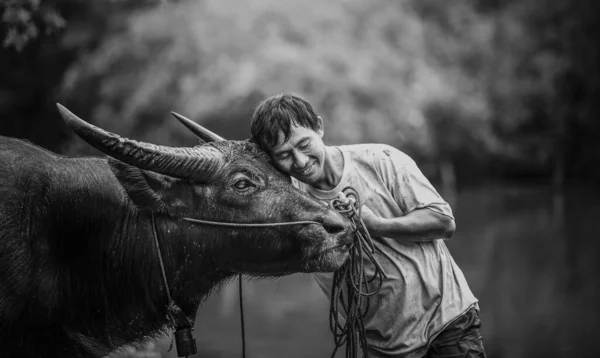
[[79, 270]]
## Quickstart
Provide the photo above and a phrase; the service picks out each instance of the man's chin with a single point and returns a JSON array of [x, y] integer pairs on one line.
[[308, 179]]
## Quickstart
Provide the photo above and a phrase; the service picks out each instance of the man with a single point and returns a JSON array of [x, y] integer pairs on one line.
[[425, 307]]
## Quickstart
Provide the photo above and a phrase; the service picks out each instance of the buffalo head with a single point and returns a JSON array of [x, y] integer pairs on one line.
[[225, 181]]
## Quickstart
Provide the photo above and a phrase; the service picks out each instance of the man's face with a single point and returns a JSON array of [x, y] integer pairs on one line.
[[302, 156]]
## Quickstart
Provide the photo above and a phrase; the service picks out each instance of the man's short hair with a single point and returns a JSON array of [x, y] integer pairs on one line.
[[277, 114]]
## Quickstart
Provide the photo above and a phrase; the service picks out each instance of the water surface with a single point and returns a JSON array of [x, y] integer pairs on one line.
[[531, 259]]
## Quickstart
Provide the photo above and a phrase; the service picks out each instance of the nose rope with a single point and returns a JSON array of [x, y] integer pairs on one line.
[[220, 223], [182, 326], [351, 276]]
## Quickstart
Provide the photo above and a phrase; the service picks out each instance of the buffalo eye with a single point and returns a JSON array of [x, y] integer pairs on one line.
[[243, 185]]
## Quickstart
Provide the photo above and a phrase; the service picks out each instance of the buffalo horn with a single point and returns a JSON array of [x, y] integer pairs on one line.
[[197, 162], [202, 133]]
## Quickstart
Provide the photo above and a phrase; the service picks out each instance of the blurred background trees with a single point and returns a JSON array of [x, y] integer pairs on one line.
[[473, 90]]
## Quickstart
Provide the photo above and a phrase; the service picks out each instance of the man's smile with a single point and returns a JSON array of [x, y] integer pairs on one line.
[[306, 170]]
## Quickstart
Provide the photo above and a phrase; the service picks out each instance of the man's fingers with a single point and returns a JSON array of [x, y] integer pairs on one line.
[[342, 198]]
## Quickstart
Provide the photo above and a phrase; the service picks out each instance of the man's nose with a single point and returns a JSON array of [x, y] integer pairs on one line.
[[300, 159]]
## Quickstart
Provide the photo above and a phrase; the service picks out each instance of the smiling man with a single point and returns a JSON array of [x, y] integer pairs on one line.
[[425, 307]]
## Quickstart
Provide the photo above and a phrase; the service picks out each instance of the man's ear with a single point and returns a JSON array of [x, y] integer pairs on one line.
[[149, 191], [320, 130]]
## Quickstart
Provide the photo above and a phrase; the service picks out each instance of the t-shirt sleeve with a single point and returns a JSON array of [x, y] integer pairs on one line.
[[407, 184]]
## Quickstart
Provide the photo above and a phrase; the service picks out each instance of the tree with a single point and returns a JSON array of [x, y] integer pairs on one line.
[[452, 82]]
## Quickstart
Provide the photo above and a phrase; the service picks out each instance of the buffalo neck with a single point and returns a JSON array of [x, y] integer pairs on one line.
[[107, 260]]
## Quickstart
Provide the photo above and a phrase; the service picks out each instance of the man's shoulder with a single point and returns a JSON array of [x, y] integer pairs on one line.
[[371, 153]]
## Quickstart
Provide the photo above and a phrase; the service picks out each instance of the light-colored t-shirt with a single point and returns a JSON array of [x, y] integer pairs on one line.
[[424, 290]]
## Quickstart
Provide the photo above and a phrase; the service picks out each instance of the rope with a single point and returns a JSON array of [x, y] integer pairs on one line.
[[351, 286], [181, 325], [162, 265], [220, 223], [242, 318], [350, 278]]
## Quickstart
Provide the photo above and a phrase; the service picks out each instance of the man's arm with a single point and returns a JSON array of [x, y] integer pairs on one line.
[[419, 225], [426, 215]]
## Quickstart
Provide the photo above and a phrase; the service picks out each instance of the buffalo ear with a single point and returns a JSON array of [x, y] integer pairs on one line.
[[149, 191]]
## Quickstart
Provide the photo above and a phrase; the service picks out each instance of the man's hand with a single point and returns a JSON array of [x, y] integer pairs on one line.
[[419, 225], [372, 222], [368, 217]]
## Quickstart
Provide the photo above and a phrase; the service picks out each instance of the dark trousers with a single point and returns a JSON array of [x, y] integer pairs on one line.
[[460, 339]]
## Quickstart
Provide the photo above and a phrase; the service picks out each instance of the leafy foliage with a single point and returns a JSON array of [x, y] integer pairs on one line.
[[23, 20], [506, 87]]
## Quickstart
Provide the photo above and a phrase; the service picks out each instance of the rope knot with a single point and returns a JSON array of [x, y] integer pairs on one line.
[[172, 311], [348, 204], [176, 317]]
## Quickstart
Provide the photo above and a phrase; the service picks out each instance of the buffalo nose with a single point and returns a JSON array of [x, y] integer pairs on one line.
[[335, 224]]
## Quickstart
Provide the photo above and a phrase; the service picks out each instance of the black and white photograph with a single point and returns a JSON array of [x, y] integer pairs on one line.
[[299, 178]]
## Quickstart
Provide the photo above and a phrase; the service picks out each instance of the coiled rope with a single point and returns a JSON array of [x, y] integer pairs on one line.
[[351, 287]]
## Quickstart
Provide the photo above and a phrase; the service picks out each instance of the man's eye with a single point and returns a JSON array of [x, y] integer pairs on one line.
[[243, 184], [282, 156]]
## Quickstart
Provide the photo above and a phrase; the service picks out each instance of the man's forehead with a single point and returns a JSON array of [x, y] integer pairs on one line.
[[282, 144], [296, 133]]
